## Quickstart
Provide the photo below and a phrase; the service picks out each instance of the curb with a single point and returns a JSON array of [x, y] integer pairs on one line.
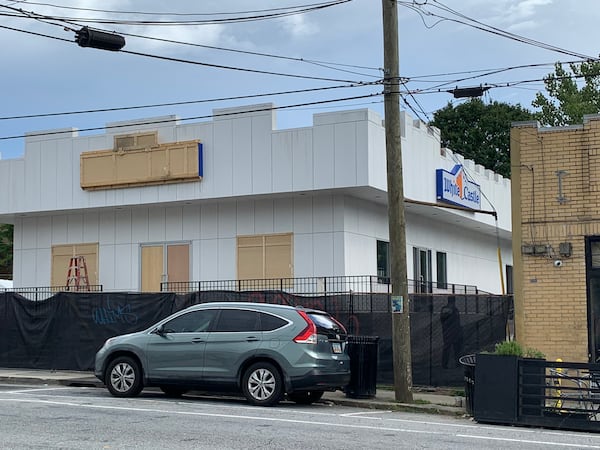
[[392, 406]]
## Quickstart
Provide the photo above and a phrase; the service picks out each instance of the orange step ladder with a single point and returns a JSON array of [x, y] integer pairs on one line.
[[77, 274]]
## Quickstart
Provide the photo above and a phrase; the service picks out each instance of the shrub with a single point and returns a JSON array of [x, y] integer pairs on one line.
[[515, 349]]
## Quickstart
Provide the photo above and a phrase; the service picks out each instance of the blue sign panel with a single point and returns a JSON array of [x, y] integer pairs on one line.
[[453, 187]]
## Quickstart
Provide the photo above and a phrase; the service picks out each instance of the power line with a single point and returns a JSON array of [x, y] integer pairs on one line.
[[188, 102], [109, 11], [249, 18], [215, 66], [320, 102], [473, 23]]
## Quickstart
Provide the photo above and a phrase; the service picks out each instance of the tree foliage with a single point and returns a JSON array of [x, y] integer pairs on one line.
[[480, 131], [6, 248], [567, 103]]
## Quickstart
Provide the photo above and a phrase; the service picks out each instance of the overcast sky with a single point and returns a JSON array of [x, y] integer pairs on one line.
[[324, 48]]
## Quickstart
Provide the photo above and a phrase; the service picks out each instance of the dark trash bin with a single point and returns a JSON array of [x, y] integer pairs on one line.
[[468, 363], [363, 353]]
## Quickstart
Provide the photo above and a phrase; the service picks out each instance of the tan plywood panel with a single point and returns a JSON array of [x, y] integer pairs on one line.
[[178, 263], [152, 268], [61, 257], [164, 163]]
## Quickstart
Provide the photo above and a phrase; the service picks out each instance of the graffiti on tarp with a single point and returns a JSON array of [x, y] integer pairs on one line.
[[110, 314]]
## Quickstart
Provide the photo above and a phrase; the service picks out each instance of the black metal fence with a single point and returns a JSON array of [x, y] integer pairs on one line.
[[536, 392], [318, 285], [45, 292]]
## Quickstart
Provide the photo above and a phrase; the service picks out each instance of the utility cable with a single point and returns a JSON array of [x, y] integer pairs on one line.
[[152, 122]]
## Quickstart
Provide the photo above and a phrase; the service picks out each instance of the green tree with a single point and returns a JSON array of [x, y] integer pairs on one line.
[[6, 249], [567, 102], [480, 131]]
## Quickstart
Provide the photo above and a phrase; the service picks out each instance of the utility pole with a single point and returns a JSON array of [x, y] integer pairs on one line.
[[395, 191]]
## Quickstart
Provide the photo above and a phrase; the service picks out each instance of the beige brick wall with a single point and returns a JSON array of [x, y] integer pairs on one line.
[[551, 302]]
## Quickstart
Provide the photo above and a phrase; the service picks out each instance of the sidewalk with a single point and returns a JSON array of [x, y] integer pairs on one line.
[[426, 401]]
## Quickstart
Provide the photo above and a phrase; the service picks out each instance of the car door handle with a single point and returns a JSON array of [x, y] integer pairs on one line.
[[197, 340], [251, 339]]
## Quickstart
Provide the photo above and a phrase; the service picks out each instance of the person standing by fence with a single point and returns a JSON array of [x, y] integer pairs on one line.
[[451, 332]]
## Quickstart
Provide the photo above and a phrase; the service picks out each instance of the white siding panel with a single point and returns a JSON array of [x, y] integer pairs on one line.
[[227, 220], [302, 147], [140, 229], [282, 162], [323, 156], [48, 180], [339, 263], [264, 216], [29, 269], [303, 214], [303, 255], [62, 168], [123, 227], [156, 225], [362, 157], [91, 233], [107, 266], [209, 221], [226, 261], [242, 161], [245, 218], [59, 230], [360, 255], [29, 233], [107, 227], [223, 158], [174, 224], [123, 267], [75, 228], [43, 232], [322, 213], [209, 259], [191, 222], [345, 155], [283, 215], [262, 171], [323, 258], [33, 175]]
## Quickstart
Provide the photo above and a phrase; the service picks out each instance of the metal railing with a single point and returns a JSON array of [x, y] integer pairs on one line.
[[317, 285], [45, 292]]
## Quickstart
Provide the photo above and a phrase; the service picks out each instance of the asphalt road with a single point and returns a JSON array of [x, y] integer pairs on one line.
[[55, 417]]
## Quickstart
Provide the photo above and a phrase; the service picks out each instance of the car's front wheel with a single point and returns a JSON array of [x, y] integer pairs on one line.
[[262, 384], [124, 377], [305, 397]]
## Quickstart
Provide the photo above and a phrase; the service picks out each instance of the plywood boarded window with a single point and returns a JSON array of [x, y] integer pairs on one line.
[[266, 256], [61, 257], [165, 262]]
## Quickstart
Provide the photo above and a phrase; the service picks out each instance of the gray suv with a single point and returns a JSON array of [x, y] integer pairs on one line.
[[265, 351]]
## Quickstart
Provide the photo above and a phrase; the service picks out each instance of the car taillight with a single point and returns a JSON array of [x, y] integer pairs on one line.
[[309, 334]]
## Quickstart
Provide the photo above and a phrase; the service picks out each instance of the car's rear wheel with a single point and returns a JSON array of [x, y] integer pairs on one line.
[[124, 377], [174, 392], [262, 384], [305, 397]]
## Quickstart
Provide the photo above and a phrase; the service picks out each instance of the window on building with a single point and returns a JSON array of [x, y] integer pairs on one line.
[[442, 270], [165, 262], [62, 259], [267, 256], [383, 260], [509, 280], [422, 269]]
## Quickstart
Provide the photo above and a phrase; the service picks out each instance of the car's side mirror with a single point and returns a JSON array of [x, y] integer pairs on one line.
[[160, 330]]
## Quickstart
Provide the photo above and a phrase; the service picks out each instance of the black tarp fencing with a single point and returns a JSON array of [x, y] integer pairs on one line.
[[66, 330]]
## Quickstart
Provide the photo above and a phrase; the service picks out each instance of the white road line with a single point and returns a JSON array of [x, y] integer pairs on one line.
[[37, 390], [225, 416], [364, 413], [527, 441]]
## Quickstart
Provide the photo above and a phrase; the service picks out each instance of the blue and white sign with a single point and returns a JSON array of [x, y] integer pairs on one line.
[[453, 187]]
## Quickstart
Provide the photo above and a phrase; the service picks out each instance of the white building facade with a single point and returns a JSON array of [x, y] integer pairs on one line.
[[234, 198]]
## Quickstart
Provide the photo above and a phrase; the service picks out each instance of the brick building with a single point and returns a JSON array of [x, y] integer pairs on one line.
[[556, 238]]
